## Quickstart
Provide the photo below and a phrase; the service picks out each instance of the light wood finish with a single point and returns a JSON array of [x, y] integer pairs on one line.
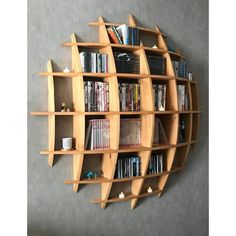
[[127, 198], [173, 104], [147, 121], [78, 105], [109, 163], [51, 118], [175, 153]]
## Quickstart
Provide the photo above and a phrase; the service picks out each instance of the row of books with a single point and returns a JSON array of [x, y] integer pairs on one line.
[[127, 62], [157, 64], [180, 68], [183, 98], [130, 130], [159, 91], [181, 133], [96, 96], [156, 164], [128, 167], [124, 34], [94, 62], [129, 94], [98, 134]]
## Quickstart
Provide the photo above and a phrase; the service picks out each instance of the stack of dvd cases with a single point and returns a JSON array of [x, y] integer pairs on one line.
[[157, 64], [127, 62]]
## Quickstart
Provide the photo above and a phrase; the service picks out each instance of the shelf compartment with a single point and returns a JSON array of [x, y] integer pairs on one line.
[[187, 118], [169, 123], [180, 156], [106, 180], [195, 98], [195, 126], [189, 96]]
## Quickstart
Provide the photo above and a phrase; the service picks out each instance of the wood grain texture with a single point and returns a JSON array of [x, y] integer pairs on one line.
[[51, 118]]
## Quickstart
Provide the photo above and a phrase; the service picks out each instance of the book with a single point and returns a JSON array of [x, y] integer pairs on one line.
[[183, 99], [114, 36], [123, 33], [128, 166], [156, 164], [94, 62]]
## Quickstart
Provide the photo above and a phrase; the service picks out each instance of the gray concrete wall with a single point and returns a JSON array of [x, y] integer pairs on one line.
[[53, 209]]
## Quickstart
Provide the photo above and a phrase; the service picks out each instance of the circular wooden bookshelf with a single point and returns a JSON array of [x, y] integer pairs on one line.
[[175, 153]]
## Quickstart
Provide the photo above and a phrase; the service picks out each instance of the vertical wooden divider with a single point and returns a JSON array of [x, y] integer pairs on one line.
[[147, 120], [78, 120], [51, 118], [175, 117], [109, 160], [195, 122]]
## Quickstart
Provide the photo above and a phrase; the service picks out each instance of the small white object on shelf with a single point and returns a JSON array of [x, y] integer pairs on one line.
[[66, 70], [149, 190], [154, 46], [121, 195], [161, 108]]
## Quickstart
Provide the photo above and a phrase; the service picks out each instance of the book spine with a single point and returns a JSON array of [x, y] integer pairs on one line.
[[112, 35]]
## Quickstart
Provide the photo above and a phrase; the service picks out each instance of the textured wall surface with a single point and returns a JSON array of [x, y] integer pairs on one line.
[[53, 209]]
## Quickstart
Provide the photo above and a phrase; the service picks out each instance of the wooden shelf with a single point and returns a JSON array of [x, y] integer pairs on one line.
[[73, 152], [109, 157], [127, 198]]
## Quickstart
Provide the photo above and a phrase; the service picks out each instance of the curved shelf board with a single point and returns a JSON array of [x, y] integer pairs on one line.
[[127, 198], [102, 179], [51, 119]]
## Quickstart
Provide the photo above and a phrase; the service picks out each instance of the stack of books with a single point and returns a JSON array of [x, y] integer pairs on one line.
[[159, 133], [96, 96], [156, 164], [180, 68], [157, 64], [129, 94], [130, 130], [94, 62], [183, 99], [127, 62], [181, 133], [128, 167], [159, 91], [124, 35], [98, 134]]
